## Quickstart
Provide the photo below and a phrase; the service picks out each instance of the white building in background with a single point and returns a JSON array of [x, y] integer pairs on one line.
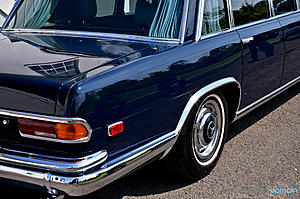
[[6, 5]]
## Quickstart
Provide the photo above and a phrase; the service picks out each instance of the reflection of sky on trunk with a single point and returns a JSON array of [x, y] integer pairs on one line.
[[37, 50], [32, 55]]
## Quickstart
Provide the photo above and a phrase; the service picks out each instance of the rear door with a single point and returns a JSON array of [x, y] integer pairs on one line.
[[289, 18], [263, 48]]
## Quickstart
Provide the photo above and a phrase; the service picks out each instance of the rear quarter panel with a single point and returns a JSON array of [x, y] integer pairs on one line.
[[149, 94]]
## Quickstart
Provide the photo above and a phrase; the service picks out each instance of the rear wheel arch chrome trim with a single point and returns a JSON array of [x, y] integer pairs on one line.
[[194, 99], [202, 92]]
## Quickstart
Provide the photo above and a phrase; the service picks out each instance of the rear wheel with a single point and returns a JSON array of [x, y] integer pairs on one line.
[[202, 138]]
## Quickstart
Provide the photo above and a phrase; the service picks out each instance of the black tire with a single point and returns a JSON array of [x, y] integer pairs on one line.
[[190, 158]]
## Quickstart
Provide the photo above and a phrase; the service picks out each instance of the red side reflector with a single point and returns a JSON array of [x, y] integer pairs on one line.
[[115, 128]]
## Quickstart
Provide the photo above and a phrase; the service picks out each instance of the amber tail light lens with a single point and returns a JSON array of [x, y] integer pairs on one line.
[[60, 131]]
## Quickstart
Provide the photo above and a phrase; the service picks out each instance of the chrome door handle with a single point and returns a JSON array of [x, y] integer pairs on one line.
[[247, 40]]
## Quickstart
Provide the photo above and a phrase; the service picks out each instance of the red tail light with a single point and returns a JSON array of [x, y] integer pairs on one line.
[[60, 131]]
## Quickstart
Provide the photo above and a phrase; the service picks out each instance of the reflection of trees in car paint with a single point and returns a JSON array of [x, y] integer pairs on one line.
[[131, 95]]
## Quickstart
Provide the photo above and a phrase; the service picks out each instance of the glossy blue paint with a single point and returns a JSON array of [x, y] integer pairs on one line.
[[39, 78], [149, 94], [43, 63], [133, 83], [262, 60], [291, 28], [144, 84]]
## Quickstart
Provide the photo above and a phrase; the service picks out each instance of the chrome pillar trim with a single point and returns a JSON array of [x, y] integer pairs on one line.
[[264, 99], [230, 14], [298, 4], [271, 8], [11, 13], [53, 163], [199, 20], [54, 119], [183, 21], [200, 13]]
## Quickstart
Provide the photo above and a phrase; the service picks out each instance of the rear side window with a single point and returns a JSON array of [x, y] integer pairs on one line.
[[246, 11], [214, 16], [284, 6]]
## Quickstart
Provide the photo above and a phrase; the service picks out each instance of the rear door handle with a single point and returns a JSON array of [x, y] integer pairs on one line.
[[247, 40]]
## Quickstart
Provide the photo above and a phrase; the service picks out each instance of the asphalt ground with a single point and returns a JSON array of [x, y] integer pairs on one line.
[[260, 159]]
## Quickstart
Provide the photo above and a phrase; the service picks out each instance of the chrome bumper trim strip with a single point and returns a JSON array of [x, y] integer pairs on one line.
[[80, 184], [47, 162]]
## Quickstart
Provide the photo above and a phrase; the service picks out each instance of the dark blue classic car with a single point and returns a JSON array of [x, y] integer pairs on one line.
[[91, 90]]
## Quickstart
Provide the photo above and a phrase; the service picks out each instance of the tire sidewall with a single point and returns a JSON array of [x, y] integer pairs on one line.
[[200, 166]]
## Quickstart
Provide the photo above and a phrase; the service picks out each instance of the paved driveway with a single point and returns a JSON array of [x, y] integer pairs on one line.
[[261, 156]]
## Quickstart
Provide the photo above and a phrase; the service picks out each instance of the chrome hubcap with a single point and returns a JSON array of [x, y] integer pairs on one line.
[[207, 129]]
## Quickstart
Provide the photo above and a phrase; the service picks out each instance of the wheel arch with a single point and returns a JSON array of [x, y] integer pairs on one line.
[[231, 90]]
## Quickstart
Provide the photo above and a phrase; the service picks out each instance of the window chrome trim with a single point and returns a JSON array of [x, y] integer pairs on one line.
[[234, 28], [214, 34], [54, 119], [264, 99], [92, 34], [183, 21], [200, 13], [271, 8], [284, 14], [251, 24], [180, 39], [230, 14]]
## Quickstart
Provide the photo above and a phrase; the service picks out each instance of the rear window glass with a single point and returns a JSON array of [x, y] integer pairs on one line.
[[246, 11], [153, 18]]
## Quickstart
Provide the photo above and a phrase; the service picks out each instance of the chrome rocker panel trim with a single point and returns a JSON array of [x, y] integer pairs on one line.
[[113, 169], [264, 99]]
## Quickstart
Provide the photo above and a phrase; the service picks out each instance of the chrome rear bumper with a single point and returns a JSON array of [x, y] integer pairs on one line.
[[77, 177]]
